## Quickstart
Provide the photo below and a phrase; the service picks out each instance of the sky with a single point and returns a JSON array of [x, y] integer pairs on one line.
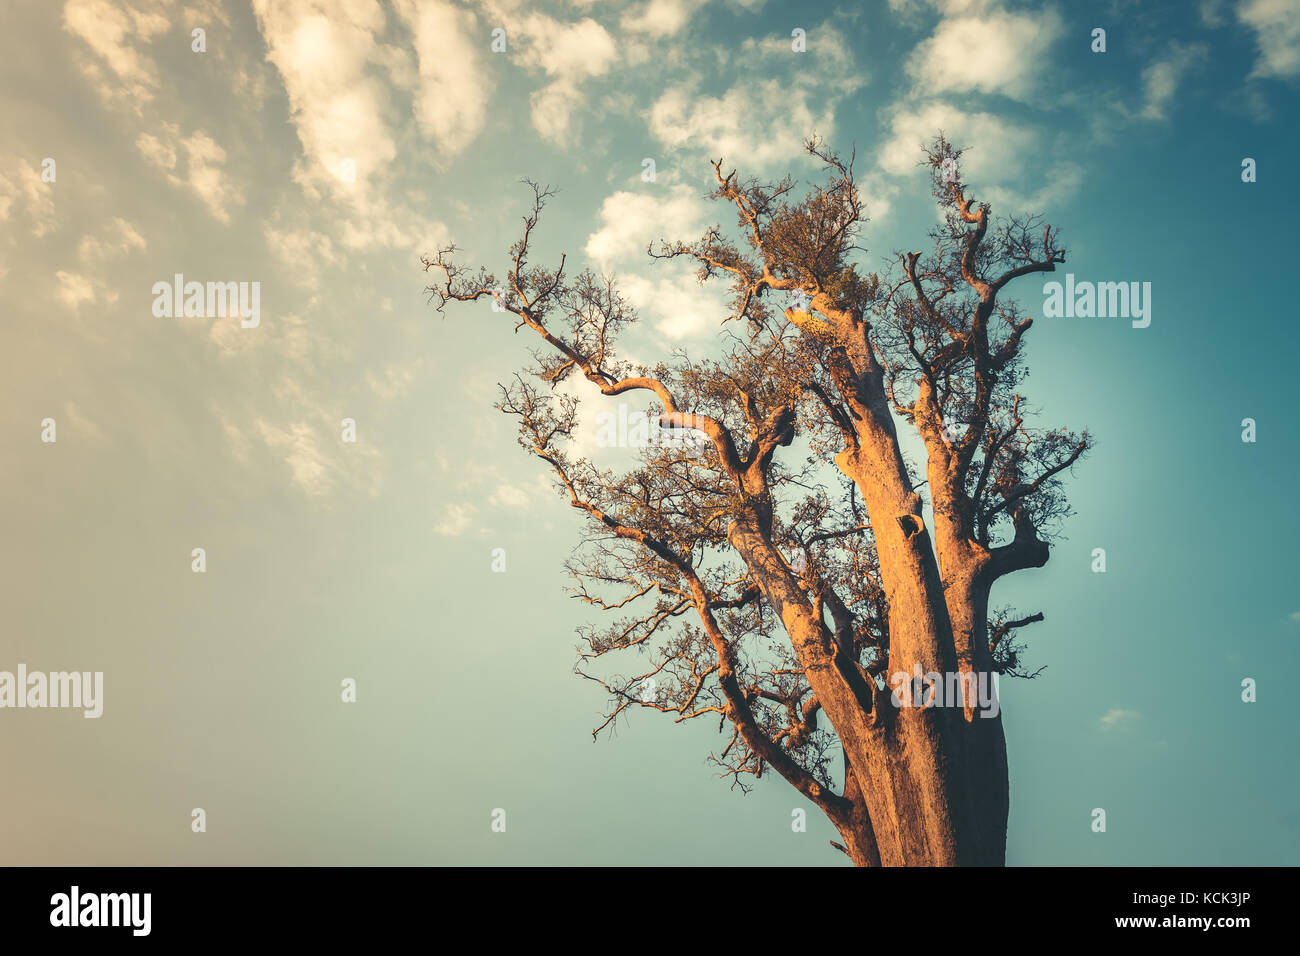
[[319, 148]]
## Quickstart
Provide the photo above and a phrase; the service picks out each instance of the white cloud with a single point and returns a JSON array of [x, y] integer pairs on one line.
[[119, 238], [1160, 80], [285, 335], [312, 471], [113, 30], [333, 65], [1276, 24], [454, 87], [74, 289], [996, 52], [324, 51], [509, 496], [395, 380], [21, 188], [303, 252], [569, 54], [779, 99], [681, 306], [1002, 157], [827, 62], [945, 7], [629, 221], [1059, 180], [659, 18], [456, 518], [759, 124], [240, 446], [878, 192], [1211, 13], [996, 146], [456, 65], [231, 338], [206, 178], [203, 174], [1118, 717], [160, 152], [82, 423]]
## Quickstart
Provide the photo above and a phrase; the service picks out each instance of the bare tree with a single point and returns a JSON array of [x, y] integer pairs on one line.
[[775, 577]]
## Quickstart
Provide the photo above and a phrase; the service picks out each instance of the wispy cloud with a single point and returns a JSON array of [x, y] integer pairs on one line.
[[1276, 25], [1118, 718], [1160, 80], [455, 520]]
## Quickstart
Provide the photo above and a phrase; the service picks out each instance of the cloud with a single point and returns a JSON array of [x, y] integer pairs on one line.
[[945, 7], [1117, 717], [333, 68], [21, 188], [1276, 24], [1160, 80], [456, 518], [232, 339], [117, 240], [160, 152], [311, 470], [203, 166], [779, 99], [827, 62], [325, 51], [206, 178], [82, 423], [303, 252], [509, 496], [659, 18], [456, 66], [996, 145], [569, 54], [684, 307], [996, 52], [113, 31], [878, 192], [761, 123], [74, 289], [395, 380], [454, 87], [629, 221], [1002, 157], [240, 446]]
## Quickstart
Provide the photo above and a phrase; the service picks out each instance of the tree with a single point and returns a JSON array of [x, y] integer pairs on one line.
[[782, 576]]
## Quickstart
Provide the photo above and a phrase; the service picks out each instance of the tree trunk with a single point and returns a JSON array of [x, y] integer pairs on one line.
[[936, 780], [855, 826], [984, 746], [906, 760]]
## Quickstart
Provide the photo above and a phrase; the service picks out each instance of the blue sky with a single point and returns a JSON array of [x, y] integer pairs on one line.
[[372, 560]]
